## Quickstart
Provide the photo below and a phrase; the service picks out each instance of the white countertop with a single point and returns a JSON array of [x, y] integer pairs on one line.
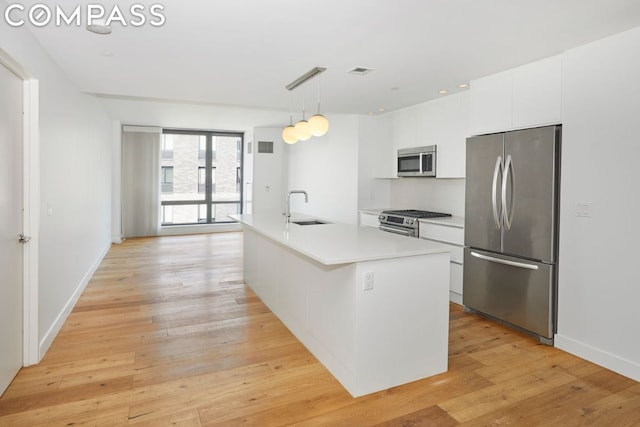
[[338, 243], [449, 221]]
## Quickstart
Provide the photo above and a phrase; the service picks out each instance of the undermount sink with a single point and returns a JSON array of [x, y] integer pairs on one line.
[[309, 222]]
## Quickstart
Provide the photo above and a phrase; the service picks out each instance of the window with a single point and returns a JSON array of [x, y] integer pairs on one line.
[[206, 172], [167, 178], [167, 148], [202, 149], [167, 214], [202, 180]]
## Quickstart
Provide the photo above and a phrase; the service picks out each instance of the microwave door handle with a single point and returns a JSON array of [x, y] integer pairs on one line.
[[420, 167], [494, 189], [507, 211]]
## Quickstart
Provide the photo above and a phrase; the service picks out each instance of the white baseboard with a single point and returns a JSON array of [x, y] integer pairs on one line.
[[600, 357], [455, 297], [48, 338]]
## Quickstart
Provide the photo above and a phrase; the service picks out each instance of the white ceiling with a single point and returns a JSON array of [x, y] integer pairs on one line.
[[243, 52]]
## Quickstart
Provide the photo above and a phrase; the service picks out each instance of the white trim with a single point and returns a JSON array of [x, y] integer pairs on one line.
[[31, 205], [116, 183], [610, 361], [31, 221], [48, 338]]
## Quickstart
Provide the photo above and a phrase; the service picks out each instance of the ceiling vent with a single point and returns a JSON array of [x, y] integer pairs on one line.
[[360, 71]]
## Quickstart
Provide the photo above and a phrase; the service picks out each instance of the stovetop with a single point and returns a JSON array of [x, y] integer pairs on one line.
[[414, 213]]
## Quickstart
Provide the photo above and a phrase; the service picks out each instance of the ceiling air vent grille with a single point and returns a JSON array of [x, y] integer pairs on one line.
[[361, 71]]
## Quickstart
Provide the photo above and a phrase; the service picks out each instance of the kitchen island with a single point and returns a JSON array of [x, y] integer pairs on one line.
[[373, 307]]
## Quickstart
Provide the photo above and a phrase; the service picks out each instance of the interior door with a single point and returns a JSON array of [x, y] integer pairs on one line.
[[482, 192], [11, 287], [531, 193]]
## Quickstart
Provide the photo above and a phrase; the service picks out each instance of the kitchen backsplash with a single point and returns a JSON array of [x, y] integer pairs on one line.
[[440, 195]]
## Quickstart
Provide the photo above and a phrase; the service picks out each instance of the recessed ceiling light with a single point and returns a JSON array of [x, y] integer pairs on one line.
[[99, 26], [381, 110], [442, 92], [370, 113], [463, 85]]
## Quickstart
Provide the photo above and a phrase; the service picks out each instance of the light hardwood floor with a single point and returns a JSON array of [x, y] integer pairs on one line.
[[166, 333]]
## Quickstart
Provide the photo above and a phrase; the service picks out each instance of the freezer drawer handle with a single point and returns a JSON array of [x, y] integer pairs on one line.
[[505, 262], [498, 169]]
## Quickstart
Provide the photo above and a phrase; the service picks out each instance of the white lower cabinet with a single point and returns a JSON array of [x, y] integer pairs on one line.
[[453, 237], [368, 219], [455, 288]]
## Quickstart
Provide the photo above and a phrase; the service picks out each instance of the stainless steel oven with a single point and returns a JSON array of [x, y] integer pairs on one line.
[[405, 222]]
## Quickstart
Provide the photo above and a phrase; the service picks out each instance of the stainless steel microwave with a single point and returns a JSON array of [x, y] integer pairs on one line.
[[418, 161]]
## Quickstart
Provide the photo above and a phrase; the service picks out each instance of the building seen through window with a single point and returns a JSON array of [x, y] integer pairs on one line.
[[201, 178]]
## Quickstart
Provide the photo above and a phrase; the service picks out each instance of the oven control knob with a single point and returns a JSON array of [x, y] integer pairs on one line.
[[410, 221], [381, 218]]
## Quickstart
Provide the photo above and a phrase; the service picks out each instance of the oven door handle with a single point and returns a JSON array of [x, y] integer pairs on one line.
[[397, 230]]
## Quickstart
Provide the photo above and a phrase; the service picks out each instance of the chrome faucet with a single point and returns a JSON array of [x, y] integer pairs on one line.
[[287, 211]]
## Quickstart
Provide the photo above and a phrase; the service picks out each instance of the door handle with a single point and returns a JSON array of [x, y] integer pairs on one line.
[[494, 188], [23, 239], [507, 212], [505, 261]]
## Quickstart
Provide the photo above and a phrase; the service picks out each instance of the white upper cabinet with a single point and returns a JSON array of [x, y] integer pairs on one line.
[[443, 122], [452, 131], [537, 93], [491, 103], [526, 96]]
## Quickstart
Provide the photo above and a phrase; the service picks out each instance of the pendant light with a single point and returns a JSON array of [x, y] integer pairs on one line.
[[289, 132], [318, 123], [303, 130]]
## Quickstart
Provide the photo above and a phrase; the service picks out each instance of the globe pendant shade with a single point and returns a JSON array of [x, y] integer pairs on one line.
[[289, 135], [319, 125], [303, 130]]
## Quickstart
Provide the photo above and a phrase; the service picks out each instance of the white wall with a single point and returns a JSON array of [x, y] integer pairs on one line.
[[269, 173], [374, 138], [598, 277], [75, 172], [431, 194], [191, 116], [327, 168]]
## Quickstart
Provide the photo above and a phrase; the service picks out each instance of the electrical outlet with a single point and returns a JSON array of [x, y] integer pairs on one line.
[[367, 283], [583, 210]]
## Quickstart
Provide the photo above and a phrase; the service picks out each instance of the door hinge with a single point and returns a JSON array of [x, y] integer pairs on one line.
[[23, 239]]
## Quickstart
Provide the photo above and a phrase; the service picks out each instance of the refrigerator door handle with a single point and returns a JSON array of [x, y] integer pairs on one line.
[[505, 261], [507, 212], [494, 188]]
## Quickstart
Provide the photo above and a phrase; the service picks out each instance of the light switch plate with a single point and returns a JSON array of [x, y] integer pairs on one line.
[[367, 282], [583, 210]]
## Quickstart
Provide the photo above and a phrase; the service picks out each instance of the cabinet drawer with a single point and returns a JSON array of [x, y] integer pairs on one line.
[[442, 233], [369, 220]]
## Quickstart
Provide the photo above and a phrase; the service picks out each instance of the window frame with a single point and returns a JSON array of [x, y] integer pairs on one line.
[[210, 169]]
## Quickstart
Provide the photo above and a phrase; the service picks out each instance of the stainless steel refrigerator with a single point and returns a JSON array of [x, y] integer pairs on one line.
[[511, 228]]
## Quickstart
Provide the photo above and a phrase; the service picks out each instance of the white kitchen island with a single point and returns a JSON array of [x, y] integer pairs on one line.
[[315, 279]]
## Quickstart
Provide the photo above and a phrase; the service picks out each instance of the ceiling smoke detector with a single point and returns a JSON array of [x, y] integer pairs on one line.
[[361, 71]]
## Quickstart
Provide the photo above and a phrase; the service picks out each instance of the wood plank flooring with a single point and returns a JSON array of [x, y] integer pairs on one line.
[[166, 333]]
